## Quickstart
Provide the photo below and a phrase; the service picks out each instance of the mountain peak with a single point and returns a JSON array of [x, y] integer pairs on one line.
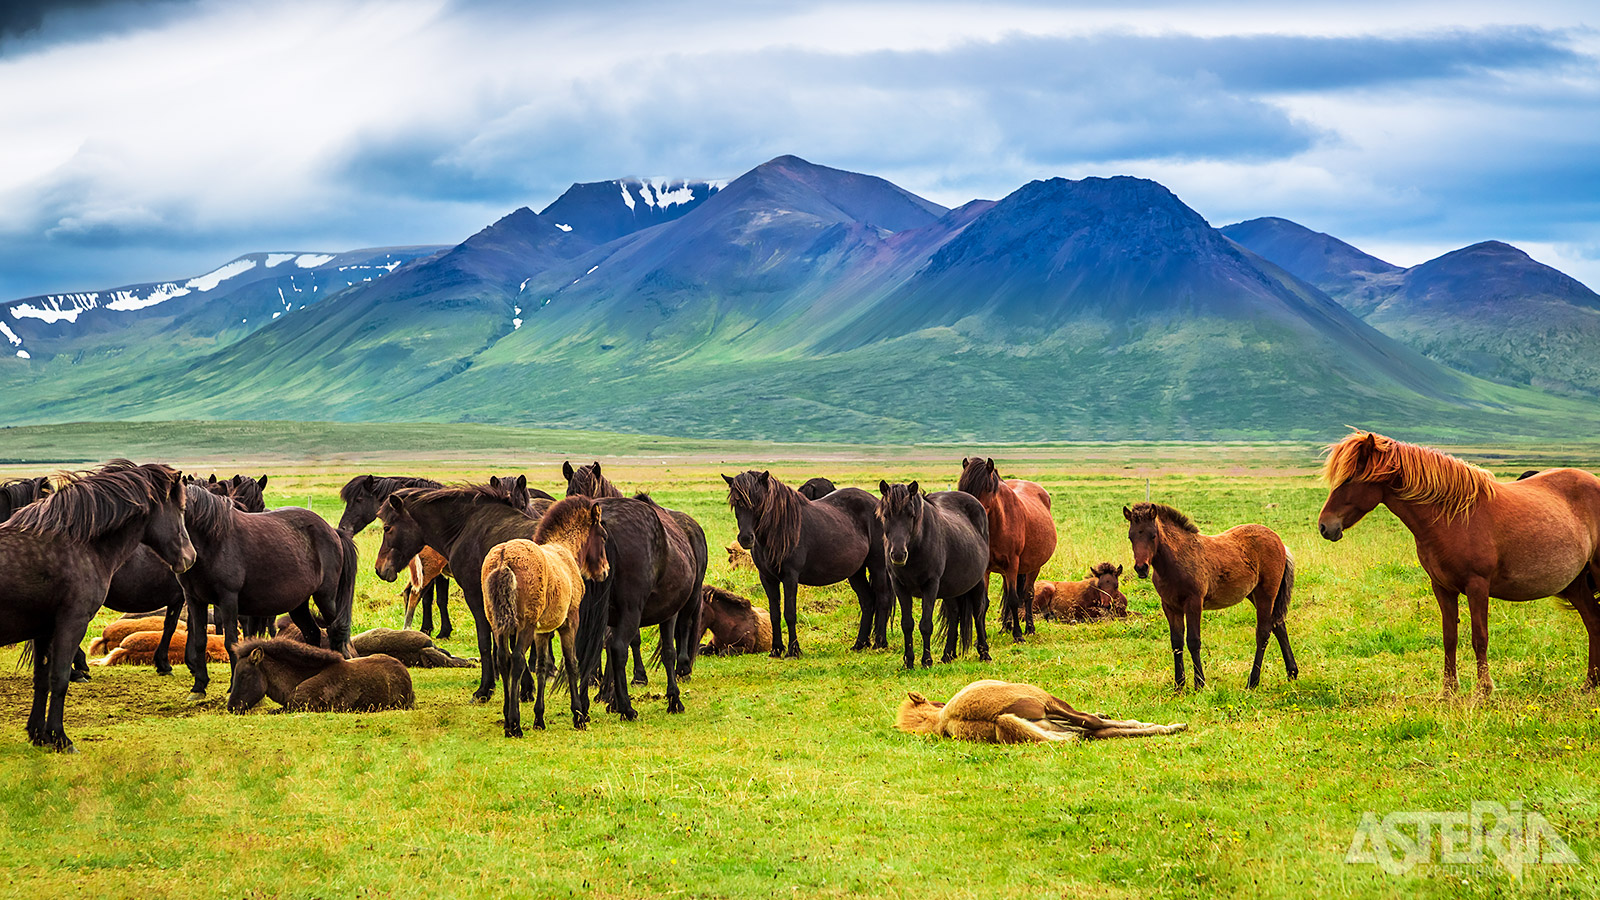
[[602, 211]]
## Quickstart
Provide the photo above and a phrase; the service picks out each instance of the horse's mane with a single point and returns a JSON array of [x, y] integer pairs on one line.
[[472, 493], [1144, 512], [979, 477], [777, 512], [1105, 568], [897, 501], [382, 485], [1425, 475], [588, 481], [561, 516], [291, 652], [718, 595], [209, 514], [19, 492], [87, 505]]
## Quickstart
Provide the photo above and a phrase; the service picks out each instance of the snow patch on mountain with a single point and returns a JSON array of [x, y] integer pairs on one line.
[[312, 260], [161, 293], [211, 279], [277, 259]]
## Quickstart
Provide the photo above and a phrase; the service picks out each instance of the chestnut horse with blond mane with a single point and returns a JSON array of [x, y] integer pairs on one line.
[[1520, 540], [1022, 536]]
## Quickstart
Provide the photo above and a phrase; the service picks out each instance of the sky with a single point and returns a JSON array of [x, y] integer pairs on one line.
[[156, 139]]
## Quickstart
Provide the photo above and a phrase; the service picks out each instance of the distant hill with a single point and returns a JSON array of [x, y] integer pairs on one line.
[[801, 302], [1359, 281], [602, 211]]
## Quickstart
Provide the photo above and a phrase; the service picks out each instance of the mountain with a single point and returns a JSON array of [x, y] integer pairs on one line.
[[1359, 281], [602, 211], [805, 302], [1488, 309]]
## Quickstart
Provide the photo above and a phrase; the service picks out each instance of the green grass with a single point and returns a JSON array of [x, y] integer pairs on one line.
[[786, 778]]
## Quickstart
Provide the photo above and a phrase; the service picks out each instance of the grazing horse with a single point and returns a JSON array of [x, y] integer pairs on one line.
[[817, 488], [1097, 597], [1022, 536], [59, 556], [796, 541], [263, 564], [462, 523], [1522, 540], [736, 625], [938, 549], [303, 678], [996, 712], [1194, 572], [532, 589]]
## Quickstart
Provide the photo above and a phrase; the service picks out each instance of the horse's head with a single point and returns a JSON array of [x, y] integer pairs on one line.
[[978, 477], [1357, 479], [402, 537], [747, 495], [900, 510], [592, 560], [515, 490], [361, 502], [248, 492], [164, 531], [1106, 580], [1144, 533], [249, 682]]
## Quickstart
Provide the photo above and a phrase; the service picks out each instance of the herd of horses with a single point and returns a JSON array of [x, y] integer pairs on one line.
[[591, 570]]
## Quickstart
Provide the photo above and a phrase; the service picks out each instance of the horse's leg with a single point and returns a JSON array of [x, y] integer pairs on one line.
[[769, 583], [194, 650], [441, 597], [883, 605], [61, 646], [640, 676], [427, 608], [869, 609], [1263, 634], [791, 613], [1175, 632], [307, 623], [1580, 595], [903, 596], [1025, 587], [929, 599], [1281, 632], [80, 665], [169, 627], [978, 598], [542, 642], [669, 651], [535, 663], [507, 660], [617, 661], [579, 694], [1191, 615], [956, 625], [1450, 619], [486, 652], [41, 688], [1013, 601], [1478, 610]]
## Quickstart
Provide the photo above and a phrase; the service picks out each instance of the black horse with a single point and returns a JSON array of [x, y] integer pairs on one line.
[[247, 494], [59, 556], [19, 492], [264, 564], [587, 481], [796, 541], [938, 549], [817, 488]]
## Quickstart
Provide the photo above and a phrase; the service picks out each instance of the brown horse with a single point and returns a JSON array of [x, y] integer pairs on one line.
[[1097, 597], [304, 678], [141, 647], [1522, 540], [1022, 536], [531, 589], [1193, 572], [736, 625], [996, 712]]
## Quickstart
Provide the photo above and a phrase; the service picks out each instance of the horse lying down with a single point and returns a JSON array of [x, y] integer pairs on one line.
[[998, 712], [139, 649], [736, 625], [304, 678], [413, 648]]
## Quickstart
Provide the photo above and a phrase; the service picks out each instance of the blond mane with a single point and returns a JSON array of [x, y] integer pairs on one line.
[[1423, 475]]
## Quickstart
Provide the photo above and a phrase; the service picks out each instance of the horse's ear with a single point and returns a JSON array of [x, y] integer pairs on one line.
[[915, 491], [566, 470], [396, 501], [1119, 570], [964, 462], [212, 479], [883, 487], [728, 480], [990, 463], [256, 655], [522, 482], [494, 481], [597, 468], [366, 483], [916, 697], [262, 482], [1127, 514], [237, 480], [766, 476]]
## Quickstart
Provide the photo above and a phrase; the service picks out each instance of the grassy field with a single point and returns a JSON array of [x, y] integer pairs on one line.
[[786, 778]]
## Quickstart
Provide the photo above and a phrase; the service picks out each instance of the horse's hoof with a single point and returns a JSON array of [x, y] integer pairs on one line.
[[1029, 630], [859, 646], [526, 696], [630, 715], [78, 675], [776, 654], [946, 658], [983, 656], [163, 672], [794, 653], [927, 662], [66, 747], [539, 724], [197, 696], [481, 698], [675, 706], [1016, 639], [513, 732], [639, 680], [444, 635]]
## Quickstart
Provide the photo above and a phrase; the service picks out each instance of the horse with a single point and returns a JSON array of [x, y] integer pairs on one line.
[[59, 556], [796, 541], [115, 631], [739, 557], [587, 481], [532, 589], [247, 494], [1097, 597], [303, 678], [413, 648], [1022, 536], [1000, 713], [817, 488], [142, 647], [1518, 541], [19, 492], [462, 523], [658, 562], [736, 625], [263, 564], [937, 546], [428, 584], [1193, 572]]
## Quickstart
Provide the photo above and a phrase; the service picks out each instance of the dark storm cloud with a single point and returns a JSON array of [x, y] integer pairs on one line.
[[35, 22]]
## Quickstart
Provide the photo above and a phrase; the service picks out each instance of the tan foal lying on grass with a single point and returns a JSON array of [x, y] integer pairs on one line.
[[998, 712]]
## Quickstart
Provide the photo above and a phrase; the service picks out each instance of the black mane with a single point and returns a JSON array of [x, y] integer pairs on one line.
[[382, 485], [89, 505]]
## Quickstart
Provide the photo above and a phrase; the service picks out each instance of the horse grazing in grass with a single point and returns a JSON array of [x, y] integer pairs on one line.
[[1194, 572], [303, 678], [532, 589], [1022, 536], [736, 625], [1097, 597], [263, 564], [796, 541], [1522, 540], [996, 712], [817, 488], [937, 546], [59, 556]]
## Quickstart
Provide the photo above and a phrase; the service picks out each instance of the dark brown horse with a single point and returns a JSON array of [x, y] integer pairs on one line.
[[817, 488], [19, 492], [796, 541], [938, 549], [1522, 540], [304, 678], [264, 564], [587, 481], [59, 556], [1022, 536], [736, 625], [1194, 572]]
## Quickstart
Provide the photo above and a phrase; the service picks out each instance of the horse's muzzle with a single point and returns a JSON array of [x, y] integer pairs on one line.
[[1141, 569], [1331, 531], [899, 559], [385, 571]]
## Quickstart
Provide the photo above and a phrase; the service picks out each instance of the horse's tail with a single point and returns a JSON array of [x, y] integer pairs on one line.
[[339, 628], [25, 659], [594, 616], [500, 597], [1280, 605], [955, 612]]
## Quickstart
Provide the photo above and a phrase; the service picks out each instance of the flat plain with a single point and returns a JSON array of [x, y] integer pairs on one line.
[[786, 777]]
